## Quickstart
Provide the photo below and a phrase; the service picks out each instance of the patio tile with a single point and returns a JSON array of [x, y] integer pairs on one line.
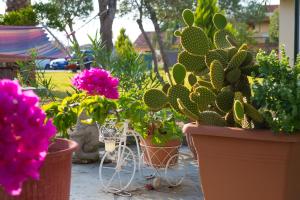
[[86, 185]]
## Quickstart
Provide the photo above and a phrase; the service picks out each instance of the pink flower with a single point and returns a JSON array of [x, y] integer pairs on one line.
[[24, 136], [97, 82]]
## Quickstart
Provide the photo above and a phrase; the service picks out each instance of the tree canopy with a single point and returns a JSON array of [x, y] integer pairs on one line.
[[123, 44], [232, 7], [243, 14], [22, 17], [244, 10], [274, 27], [254, 12], [62, 14], [205, 11], [166, 10]]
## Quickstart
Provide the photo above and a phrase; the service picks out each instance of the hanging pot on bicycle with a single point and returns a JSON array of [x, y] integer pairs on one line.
[[160, 156]]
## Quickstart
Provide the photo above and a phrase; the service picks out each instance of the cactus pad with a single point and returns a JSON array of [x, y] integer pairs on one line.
[[169, 79], [215, 55], [195, 97], [223, 53], [231, 40], [226, 89], [205, 84], [192, 79], [211, 118], [186, 111], [179, 73], [237, 60], [166, 88], [177, 33], [220, 21], [181, 92], [238, 110], [203, 97], [194, 40], [248, 60], [202, 73], [230, 119], [206, 94], [244, 86], [248, 70], [224, 100], [217, 74], [233, 75], [188, 17], [231, 52], [220, 40], [155, 99], [243, 47], [192, 63], [253, 113]]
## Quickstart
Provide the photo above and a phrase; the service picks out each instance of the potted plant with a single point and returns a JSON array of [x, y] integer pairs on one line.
[[93, 102], [236, 161], [32, 167], [161, 137]]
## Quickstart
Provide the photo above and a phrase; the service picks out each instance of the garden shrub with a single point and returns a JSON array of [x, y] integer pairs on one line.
[[278, 92]]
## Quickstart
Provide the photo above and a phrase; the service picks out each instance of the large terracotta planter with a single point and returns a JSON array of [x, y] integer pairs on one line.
[[158, 156], [238, 164], [55, 175]]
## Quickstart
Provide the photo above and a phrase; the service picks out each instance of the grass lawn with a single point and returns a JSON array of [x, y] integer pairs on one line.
[[61, 81]]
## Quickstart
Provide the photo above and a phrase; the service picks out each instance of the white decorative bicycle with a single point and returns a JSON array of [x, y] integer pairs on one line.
[[117, 175]]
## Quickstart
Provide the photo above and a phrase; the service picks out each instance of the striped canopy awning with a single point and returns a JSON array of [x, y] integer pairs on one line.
[[17, 43]]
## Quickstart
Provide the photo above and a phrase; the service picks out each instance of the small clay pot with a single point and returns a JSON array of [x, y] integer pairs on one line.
[[158, 156]]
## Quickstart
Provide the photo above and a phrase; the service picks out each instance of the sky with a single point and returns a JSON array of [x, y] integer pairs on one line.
[[92, 27]]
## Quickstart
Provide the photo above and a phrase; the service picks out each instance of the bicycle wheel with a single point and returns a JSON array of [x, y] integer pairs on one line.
[[116, 176], [147, 171], [175, 170]]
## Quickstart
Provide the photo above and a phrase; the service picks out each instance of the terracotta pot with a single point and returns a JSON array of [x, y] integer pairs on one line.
[[158, 156], [55, 175], [238, 164]]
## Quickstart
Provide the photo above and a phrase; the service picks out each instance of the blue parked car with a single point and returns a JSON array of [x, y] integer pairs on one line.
[[88, 58], [42, 64], [59, 63]]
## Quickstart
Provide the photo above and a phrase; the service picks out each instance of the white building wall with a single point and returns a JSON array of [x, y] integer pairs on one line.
[[287, 26]]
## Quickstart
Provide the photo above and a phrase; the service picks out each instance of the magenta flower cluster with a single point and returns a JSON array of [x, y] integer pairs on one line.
[[24, 136], [97, 81]]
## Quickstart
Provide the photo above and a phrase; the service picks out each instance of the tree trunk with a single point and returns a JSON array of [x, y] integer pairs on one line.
[[107, 10], [12, 5], [158, 35], [139, 22], [75, 44], [72, 34]]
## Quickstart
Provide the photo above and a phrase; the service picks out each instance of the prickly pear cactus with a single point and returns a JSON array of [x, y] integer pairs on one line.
[[217, 91], [193, 39]]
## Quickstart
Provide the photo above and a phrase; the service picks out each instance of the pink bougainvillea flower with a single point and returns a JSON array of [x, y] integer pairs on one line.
[[97, 81], [24, 136]]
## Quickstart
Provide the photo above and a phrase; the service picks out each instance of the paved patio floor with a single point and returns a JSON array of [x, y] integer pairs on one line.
[[86, 185]]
